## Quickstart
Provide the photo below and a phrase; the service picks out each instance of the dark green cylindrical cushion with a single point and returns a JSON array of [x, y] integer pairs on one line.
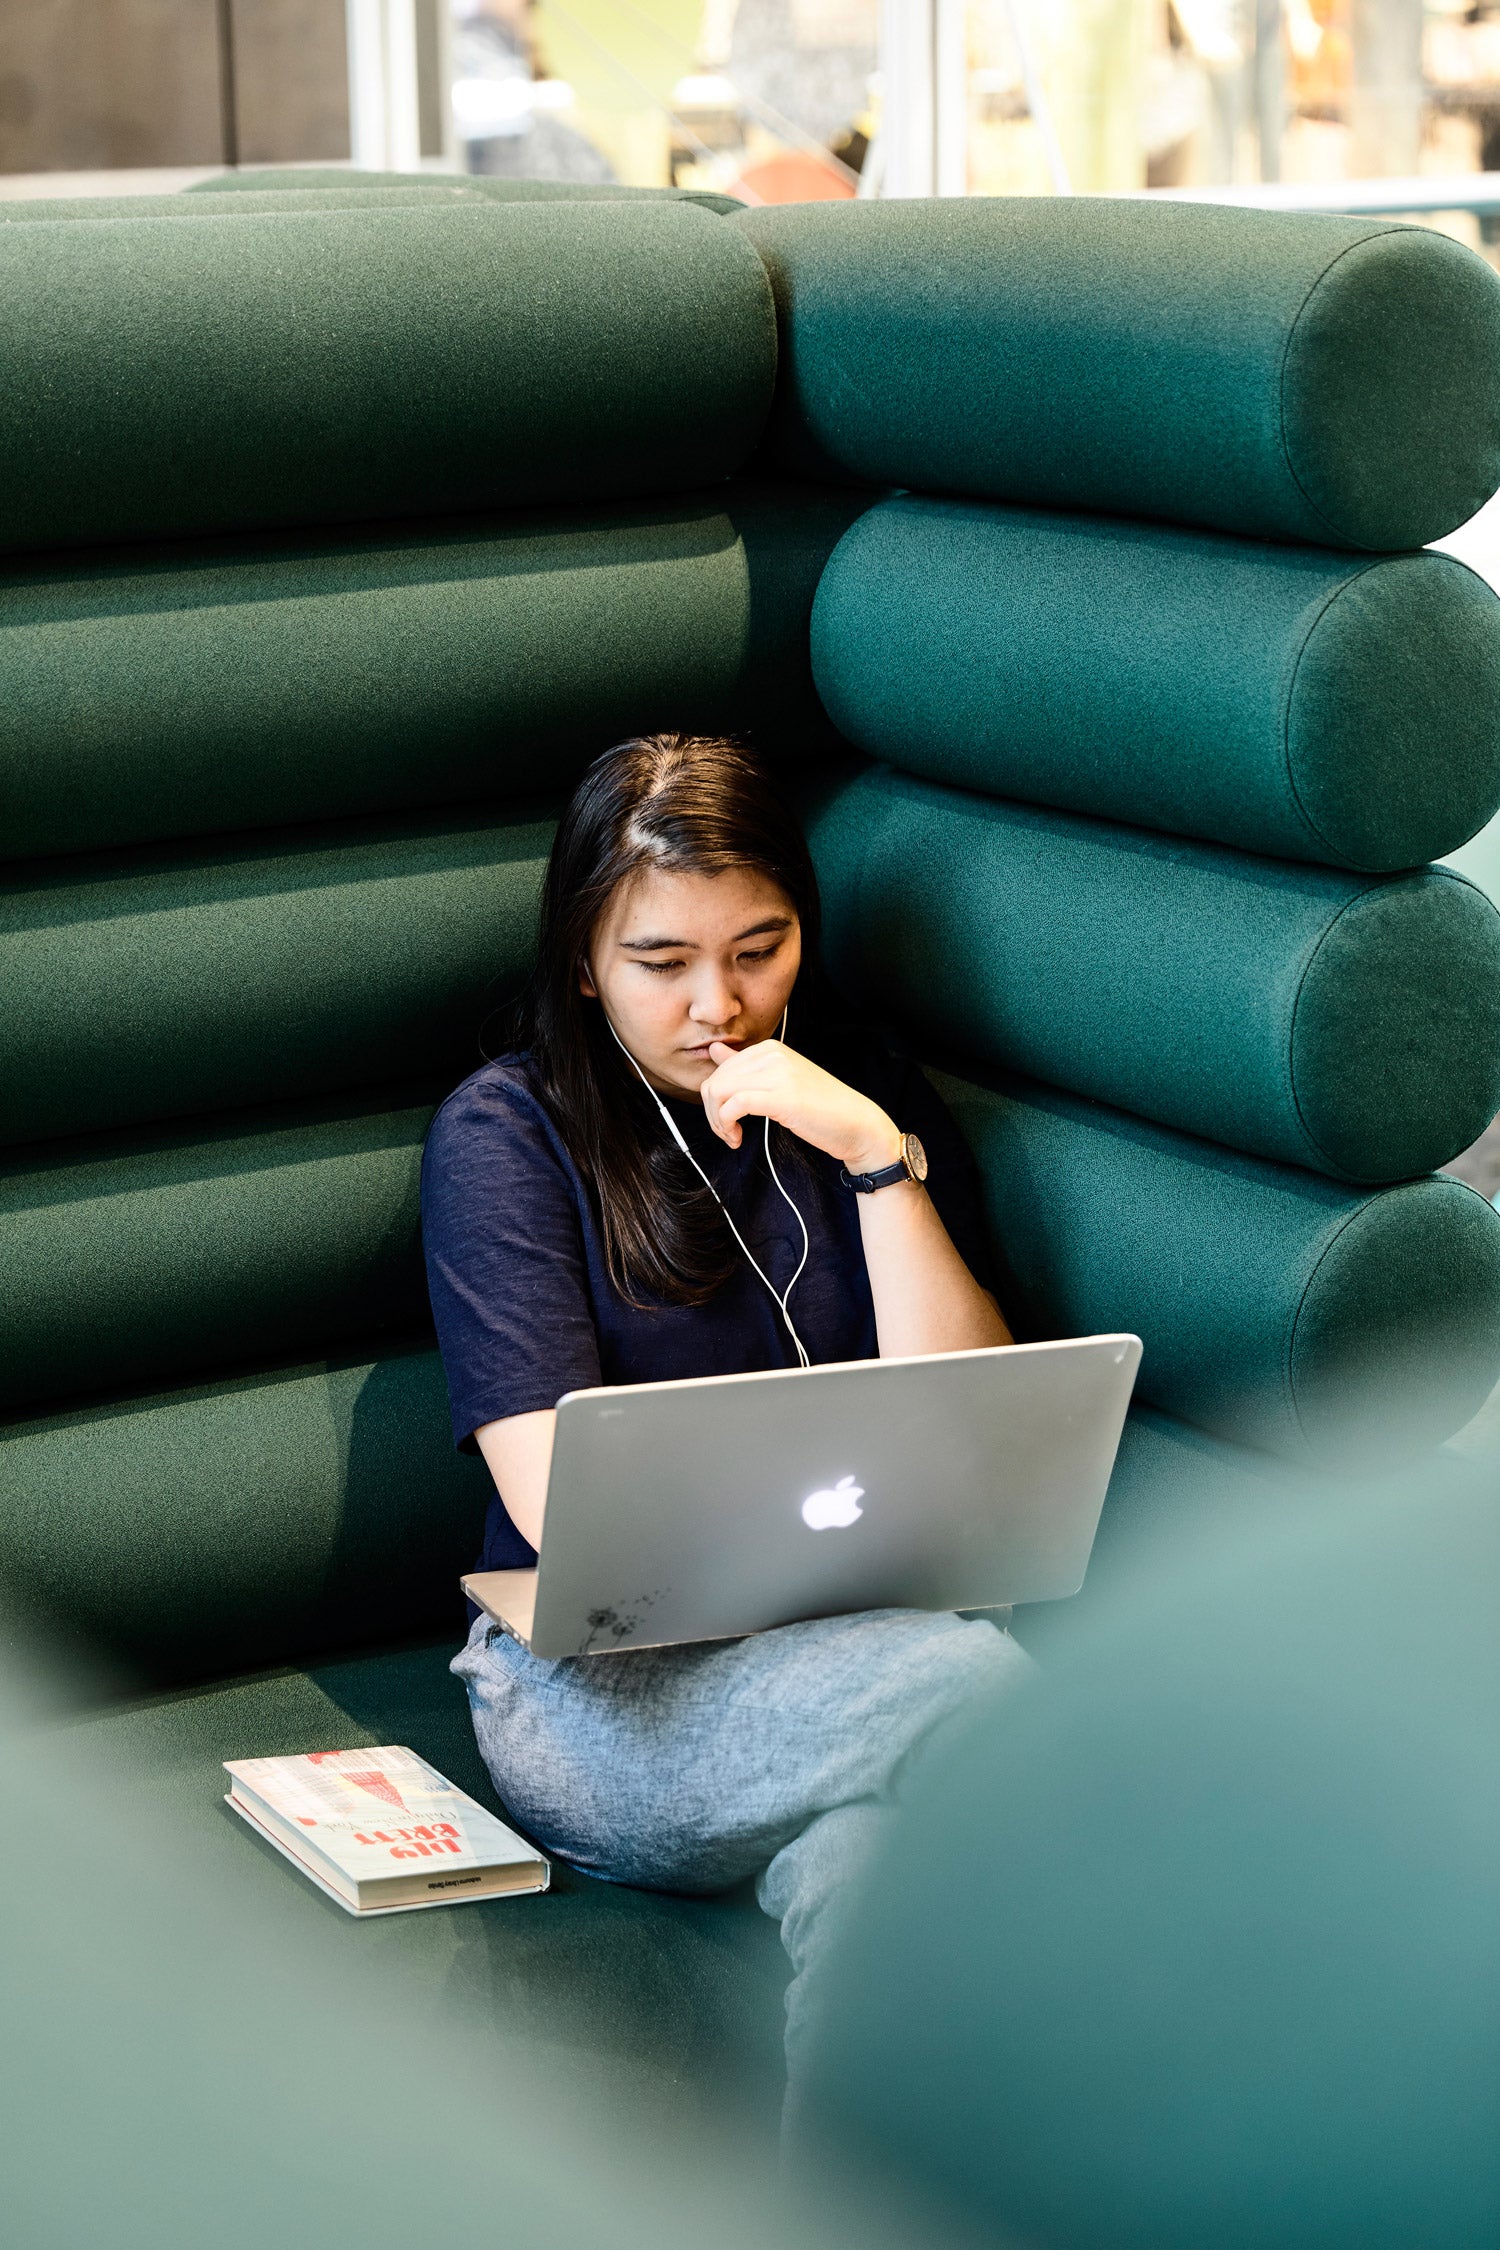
[[318, 179], [299, 965], [1286, 699], [207, 1531], [1291, 375], [177, 691], [140, 1259], [169, 376], [1349, 1023], [1276, 1309], [348, 194]]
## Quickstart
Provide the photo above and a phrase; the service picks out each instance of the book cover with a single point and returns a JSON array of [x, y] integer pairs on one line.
[[381, 1829]]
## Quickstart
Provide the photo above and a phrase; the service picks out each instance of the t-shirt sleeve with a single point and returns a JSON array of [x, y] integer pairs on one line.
[[505, 1259], [952, 1176]]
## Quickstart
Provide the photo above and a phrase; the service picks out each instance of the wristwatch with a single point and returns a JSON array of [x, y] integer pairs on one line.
[[911, 1164]]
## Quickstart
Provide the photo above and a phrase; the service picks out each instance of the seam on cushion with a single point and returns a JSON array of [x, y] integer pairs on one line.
[[1324, 607], [1322, 1259], [1291, 1043], [1374, 235]]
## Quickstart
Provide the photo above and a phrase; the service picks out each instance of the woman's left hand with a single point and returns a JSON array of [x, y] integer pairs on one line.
[[772, 1080]]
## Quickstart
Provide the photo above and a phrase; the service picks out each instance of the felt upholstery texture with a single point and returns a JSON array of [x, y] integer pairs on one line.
[[295, 178], [673, 2002], [1294, 376], [143, 1258], [293, 964], [1288, 700], [348, 193], [171, 690], [205, 1530], [1347, 1023], [1277, 1309], [166, 377]]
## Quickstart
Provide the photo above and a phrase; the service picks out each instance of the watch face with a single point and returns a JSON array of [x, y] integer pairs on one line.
[[915, 1155]]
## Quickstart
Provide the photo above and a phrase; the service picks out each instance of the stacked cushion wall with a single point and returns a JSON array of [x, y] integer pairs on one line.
[[247, 1521], [1277, 1309], [164, 377], [1275, 1305], [1348, 1023], [150, 693], [1292, 376], [135, 1260], [296, 964], [1293, 701]]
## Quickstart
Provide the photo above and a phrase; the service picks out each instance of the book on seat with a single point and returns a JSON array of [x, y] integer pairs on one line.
[[381, 1831]]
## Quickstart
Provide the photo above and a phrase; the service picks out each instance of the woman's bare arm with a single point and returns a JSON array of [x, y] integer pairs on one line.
[[518, 1455]]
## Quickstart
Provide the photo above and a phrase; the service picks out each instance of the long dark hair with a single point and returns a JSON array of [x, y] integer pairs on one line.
[[687, 804]]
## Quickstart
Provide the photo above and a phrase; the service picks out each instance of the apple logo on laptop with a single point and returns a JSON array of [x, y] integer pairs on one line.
[[834, 1510]]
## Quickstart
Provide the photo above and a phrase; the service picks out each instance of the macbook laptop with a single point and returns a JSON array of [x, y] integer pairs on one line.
[[723, 1505]]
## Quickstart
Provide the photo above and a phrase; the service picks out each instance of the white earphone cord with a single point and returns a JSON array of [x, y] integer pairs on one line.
[[781, 1297]]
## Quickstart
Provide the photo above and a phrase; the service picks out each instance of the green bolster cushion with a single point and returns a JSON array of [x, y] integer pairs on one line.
[[349, 197], [180, 691], [1276, 1309], [1348, 1023], [160, 377], [279, 968], [1294, 376], [211, 1530], [1285, 699], [138, 1261], [319, 180]]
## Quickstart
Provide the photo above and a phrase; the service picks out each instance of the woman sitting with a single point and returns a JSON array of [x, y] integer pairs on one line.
[[655, 1184]]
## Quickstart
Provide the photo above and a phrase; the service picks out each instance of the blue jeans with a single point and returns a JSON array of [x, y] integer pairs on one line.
[[691, 1768]]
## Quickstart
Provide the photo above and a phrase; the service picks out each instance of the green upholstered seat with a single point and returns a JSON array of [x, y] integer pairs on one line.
[[1283, 699], [274, 805], [1305, 378], [670, 2004]]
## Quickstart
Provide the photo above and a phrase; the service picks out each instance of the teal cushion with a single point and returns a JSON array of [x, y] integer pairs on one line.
[[165, 377], [1285, 699], [1277, 1309], [176, 690], [138, 1259], [271, 967], [1290, 375], [1349, 1023], [198, 1531], [1197, 1941]]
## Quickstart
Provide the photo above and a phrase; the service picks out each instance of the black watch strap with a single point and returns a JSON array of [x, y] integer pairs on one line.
[[865, 1183]]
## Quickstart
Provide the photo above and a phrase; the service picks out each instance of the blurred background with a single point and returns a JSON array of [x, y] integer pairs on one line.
[[772, 100]]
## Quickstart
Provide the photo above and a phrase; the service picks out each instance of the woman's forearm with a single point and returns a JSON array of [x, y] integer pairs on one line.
[[926, 1299], [518, 1454]]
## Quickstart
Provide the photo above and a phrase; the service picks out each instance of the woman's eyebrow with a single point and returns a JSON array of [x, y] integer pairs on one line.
[[689, 945]]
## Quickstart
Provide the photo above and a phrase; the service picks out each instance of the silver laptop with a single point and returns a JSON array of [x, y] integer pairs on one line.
[[722, 1505]]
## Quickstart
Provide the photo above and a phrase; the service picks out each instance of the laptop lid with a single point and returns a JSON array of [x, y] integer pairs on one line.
[[723, 1505]]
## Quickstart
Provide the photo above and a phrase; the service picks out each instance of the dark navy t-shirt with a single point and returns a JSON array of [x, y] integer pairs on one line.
[[521, 1294]]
